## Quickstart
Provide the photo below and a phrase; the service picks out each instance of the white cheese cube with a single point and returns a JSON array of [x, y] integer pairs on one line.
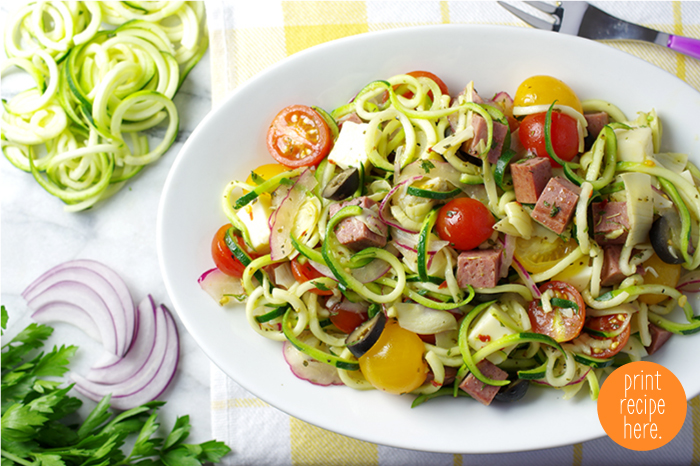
[[489, 328], [255, 218], [634, 145], [349, 149]]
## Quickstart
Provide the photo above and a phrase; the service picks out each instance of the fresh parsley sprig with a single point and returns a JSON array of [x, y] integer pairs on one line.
[[36, 430]]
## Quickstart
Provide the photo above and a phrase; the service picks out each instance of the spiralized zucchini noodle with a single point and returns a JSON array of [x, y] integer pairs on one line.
[[616, 266], [104, 77]]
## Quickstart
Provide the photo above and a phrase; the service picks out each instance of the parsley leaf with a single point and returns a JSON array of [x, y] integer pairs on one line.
[[426, 165]]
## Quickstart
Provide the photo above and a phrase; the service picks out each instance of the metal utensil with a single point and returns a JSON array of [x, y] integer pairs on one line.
[[584, 20]]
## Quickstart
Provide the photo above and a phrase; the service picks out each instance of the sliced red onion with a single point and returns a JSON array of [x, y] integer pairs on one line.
[[508, 249], [307, 368], [346, 305], [103, 281], [372, 271], [445, 171], [284, 276], [384, 212], [151, 379], [410, 241], [322, 269], [527, 279], [280, 242], [140, 351], [85, 298], [69, 314], [220, 286], [690, 283]]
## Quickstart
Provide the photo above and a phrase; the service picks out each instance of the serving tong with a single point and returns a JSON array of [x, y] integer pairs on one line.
[[585, 20]]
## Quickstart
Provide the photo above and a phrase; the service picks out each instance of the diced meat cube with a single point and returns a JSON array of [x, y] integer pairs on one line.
[[610, 222], [480, 391], [481, 132], [530, 176], [479, 268], [555, 206], [596, 123], [357, 234], [611, 273], [659, 337]]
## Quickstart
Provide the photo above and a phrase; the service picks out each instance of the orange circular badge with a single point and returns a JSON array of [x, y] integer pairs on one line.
[[642, 406]]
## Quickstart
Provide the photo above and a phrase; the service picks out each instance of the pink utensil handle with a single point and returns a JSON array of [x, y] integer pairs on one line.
[[684, 45]]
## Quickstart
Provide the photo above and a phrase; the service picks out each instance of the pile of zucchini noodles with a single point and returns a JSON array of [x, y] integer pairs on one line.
[[409, 143], [104, 73]]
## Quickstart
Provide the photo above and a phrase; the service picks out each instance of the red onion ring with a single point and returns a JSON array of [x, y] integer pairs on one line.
[[384, 213], [109, 287], [149, 382], [527, 279], [69, 314], [282, 219], [134, 360], [85, 298]]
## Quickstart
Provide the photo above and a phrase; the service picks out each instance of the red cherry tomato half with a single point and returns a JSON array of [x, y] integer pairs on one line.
[[347, 321], [305, 272], [564, 136], [608, 324], [298, 137], [557, 324], [465, 223], [223, 258]]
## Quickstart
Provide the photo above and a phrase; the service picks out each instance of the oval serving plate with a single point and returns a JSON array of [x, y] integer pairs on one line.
[[231, 141]]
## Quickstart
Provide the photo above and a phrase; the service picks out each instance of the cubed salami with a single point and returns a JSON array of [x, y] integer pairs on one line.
[[530, 176], [659, 337], [595, 124], [356, 233], [611, 273], [480, 391], [610, 222], [480, 268], [556, 205], [481, 132]]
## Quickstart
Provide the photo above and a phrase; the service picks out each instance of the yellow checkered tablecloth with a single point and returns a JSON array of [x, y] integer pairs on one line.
[[249, 36]]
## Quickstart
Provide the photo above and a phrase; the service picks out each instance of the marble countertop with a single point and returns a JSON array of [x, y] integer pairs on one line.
[[36, 234]]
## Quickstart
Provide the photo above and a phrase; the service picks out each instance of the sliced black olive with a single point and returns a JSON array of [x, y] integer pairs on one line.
[[514, 391], [343, 185], [366, 335], [663, 235]]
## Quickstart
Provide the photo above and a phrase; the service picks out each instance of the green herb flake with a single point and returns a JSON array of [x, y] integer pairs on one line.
[[427, 165]]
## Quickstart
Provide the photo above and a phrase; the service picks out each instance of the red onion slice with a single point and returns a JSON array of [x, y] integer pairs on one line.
[[69, 314], [508, 249], [690, 283], [283, 221], [527, 279], [106, 283], [139, 353], [384, 212], [151, 379], [307, 368], [220, 286], [82, 296], [322, 269]]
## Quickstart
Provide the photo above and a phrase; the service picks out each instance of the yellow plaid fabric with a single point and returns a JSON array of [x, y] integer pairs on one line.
[[249, 36]]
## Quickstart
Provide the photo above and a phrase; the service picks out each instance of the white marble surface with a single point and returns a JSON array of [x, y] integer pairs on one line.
[[36, 234]]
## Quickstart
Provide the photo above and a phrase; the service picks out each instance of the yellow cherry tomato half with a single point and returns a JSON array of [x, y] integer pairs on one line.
[[395, 362], [543, 90], [658, 272], [539, 254], [266, 172]]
